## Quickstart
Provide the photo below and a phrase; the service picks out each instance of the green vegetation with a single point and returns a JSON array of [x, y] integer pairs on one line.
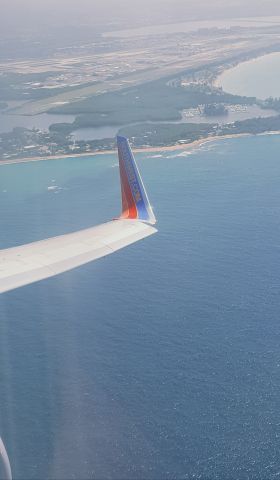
[[31, 143], [154, 101], [63, 128], [167, 134], [170, 134], [253, 126], [270, 102], [140, 112], [214, 109], [22, 142]]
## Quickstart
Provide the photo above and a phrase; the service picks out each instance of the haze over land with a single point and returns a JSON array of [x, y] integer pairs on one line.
[[33, 14], [74, 66]]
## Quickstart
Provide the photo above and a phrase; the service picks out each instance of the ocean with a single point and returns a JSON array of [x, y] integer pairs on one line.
[[161, 360]]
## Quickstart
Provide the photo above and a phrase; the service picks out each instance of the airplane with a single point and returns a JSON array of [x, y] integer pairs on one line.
[[39, 260], [5, 461]]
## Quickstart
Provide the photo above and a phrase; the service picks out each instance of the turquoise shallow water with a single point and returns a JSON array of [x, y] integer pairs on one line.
[[256, 78], [160, 361]]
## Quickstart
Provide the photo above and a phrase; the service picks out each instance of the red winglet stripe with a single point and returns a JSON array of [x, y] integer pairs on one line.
[[129, 209]]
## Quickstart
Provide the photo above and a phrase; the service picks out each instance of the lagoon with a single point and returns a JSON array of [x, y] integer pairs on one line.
[[193, 115], [9, 121], [255, 78]]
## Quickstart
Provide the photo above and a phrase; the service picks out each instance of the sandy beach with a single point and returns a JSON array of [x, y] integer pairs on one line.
[[168, 148]]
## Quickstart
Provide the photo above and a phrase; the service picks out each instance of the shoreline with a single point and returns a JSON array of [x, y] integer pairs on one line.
[[167, 148], [196, 143], [216, 83]]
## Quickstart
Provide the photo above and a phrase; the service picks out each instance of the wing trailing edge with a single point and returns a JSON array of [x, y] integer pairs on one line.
[[36, 261]]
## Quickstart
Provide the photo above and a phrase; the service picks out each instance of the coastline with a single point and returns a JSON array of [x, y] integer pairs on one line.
[[196, 143], [167, 148]]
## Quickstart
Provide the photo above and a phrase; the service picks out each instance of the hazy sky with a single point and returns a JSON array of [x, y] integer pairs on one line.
[[34, 13]]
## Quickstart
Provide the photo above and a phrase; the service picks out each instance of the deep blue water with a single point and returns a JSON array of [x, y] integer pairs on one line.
[[162, 360]]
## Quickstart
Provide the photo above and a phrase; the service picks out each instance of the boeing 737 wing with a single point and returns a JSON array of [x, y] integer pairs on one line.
[[38, 260]]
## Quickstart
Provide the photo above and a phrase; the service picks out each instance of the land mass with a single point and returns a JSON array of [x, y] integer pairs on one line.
[[141, 86]]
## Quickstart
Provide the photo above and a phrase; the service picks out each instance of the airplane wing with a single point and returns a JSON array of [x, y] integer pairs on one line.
[[5, 461], [39, 260]]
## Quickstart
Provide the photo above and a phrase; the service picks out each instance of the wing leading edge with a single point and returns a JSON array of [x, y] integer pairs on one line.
[[36, 261]]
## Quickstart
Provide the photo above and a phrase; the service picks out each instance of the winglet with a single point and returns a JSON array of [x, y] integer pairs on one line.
[[135, 202]]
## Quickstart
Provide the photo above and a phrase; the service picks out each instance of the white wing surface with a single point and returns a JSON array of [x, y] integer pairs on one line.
[[39, 260]]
